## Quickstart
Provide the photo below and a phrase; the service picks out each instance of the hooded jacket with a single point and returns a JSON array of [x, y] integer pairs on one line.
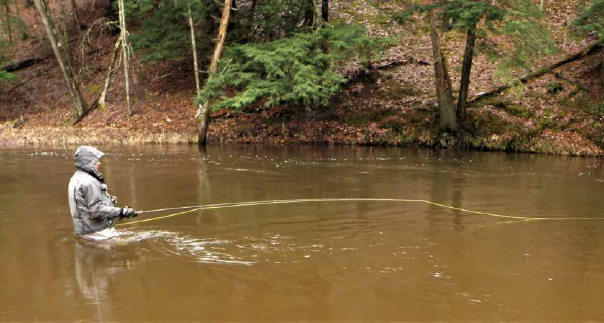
[[89, 201]]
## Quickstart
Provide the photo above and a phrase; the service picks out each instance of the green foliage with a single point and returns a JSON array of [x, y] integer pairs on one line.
[[4, 75], [519, 20], [273, 19], [165, 30], [590, 18], [530, 41], [465, 13], [297, 71]]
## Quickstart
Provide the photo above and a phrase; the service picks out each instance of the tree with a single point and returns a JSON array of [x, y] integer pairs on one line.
[[110, 72], [222, 33], [444, 91], [59, 48], [76, 15], [299, 72], [325, 10], [591, 18], [169, 43], [516, 19], [125, 53], [194, 51]]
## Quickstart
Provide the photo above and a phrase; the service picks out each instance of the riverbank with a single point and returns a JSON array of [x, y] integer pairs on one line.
[[394, 105], [414, 128]]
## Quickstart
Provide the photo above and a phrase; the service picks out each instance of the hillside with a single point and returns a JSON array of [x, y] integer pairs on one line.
[[557, 113]]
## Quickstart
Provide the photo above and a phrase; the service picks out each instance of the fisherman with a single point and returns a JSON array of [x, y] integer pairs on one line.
[[93, 210]]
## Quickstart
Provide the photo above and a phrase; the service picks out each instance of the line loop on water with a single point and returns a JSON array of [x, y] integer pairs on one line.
[[271, 202]]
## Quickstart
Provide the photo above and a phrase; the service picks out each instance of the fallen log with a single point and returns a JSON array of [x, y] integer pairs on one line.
[[592, 47], [405, 61], [24, 63]]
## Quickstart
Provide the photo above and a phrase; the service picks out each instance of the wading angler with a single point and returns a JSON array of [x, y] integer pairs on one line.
[[93, 209]]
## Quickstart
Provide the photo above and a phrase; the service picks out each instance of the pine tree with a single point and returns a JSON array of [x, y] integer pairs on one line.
[[296, 71], [591, 18], [172, 42]]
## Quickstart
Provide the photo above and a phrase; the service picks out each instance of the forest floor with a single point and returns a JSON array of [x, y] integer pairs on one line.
[[559, 113]]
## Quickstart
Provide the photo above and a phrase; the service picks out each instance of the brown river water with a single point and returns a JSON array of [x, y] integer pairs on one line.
[[321, 260]]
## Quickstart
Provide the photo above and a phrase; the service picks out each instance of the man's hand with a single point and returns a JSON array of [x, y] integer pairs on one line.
[[128, 213], [113, 199]]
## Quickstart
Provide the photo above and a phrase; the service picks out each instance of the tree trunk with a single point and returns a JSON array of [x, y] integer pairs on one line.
[[205, 112], [110, 72], [62, 56], [254, 5], [444, 93], [466, 70], [194, 50], [100, 100], [309, 13], [325, 10], [8, 23], [76, 16], [124, 41], [317, 20]]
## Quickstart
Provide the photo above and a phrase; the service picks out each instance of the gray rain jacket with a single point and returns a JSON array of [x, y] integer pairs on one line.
[[89, 202]]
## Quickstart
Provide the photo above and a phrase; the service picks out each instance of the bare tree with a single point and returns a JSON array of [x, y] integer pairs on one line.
[[60, 49], [76, 16], [194, 48], [125, 55], [110, 72], [222, 32]]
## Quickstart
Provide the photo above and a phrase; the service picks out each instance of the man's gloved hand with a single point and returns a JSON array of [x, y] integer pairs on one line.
[[113, 199], [128, 213]]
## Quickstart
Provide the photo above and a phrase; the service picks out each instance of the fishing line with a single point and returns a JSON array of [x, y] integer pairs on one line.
[[195, 208]]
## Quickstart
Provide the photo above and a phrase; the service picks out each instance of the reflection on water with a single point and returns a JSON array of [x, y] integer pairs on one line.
[[96, 265], [347, 260]]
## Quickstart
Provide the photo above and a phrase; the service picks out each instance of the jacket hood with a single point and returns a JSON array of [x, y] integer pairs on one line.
[[86, 157]]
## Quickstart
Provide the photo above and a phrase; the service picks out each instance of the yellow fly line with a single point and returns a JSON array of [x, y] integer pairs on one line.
[[270, 202]]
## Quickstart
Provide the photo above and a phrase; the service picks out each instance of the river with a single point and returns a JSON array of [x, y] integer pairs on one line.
[[313, 260]]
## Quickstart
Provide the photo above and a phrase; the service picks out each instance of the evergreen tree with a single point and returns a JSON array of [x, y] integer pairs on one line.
[[272, 19], [263, 21], [165, 30], [591, 18], [296, 71]]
